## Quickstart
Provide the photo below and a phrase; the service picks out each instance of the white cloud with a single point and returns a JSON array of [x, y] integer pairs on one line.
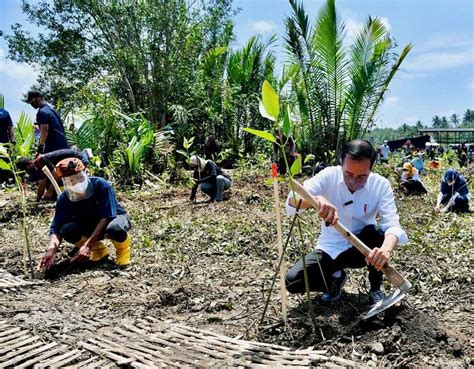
[[446, 41], [18, 71], [352, 27], [263, 26], [391, 100], [15, 80], [438, 60]]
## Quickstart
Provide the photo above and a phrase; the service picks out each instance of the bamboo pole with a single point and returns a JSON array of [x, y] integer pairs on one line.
[[276, 194]]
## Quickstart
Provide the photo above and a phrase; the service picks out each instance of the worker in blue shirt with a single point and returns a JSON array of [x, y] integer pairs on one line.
[[7, 135], [6, 127], [52, 136], [418, 162], [86, 213], [453, 193]]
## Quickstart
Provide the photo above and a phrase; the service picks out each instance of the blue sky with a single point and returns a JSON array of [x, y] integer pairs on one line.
[[437, 76]]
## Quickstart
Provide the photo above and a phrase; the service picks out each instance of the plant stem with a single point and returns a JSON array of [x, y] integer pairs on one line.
[[279, 264], [27, 252]]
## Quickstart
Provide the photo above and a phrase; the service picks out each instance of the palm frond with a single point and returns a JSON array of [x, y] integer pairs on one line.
[[369, 58], [329, 61], [24, 135], [386, 83]]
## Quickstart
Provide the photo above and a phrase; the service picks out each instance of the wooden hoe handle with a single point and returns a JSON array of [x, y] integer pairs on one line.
[[51, 178], [392, 274]]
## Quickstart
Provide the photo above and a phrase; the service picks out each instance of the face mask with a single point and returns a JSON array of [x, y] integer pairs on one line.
[[80, 187]]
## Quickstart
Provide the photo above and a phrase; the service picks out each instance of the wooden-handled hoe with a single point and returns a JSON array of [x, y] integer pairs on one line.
[[390, 272]]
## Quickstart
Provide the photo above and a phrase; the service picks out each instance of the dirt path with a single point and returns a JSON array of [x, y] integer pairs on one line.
[[210, 265]]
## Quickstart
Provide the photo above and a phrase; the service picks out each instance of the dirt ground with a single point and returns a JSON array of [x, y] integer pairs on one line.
[[210, 265]]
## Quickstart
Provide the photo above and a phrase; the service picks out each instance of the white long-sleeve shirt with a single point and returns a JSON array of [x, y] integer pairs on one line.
[[375, 198]]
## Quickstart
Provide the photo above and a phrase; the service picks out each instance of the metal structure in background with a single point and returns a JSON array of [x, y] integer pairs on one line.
[[418, 142], [448, 136]]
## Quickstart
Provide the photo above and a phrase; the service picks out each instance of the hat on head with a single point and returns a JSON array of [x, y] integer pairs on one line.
[[68, 167], [451, 175], [407, 167], [31, 95]]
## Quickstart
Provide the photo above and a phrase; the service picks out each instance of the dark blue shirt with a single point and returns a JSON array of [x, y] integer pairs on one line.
[[52, 158], [102, 204], [5, 122], [56, 137], [460, 184]]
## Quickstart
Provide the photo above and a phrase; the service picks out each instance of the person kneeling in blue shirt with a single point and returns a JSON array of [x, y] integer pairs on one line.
[[86, 213], [453, 193]]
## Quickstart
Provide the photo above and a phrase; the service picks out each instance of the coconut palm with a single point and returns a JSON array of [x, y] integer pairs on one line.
[[338, 88]]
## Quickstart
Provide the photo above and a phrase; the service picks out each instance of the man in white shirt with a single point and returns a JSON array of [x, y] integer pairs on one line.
[[353, 195], [385, 151]]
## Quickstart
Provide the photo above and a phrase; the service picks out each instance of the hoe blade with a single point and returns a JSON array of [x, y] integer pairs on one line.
[[385, 303]]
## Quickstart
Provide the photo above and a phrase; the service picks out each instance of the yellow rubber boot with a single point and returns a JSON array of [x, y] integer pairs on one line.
[[123, 251], [77, 246], [98, 251], [81, 242]]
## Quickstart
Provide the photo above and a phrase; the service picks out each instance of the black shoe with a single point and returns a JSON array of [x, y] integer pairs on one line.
[[376, 296], [335, 289]]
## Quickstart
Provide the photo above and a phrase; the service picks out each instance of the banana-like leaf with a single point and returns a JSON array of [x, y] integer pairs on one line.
[[264, 113], [296, 166], [4, 165], [309, 157], [262, 134], [270, 100]]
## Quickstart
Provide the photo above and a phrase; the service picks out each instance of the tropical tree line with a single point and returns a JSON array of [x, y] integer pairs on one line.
[[124, 72], [378, 134]]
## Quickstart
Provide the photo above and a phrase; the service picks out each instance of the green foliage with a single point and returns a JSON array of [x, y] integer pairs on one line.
[[151, 48], [2, 101], [270, 100], [187, 146], [296, 167], [338, 89], [94, 118], [88, 135], [24, 136], [134, 153], [287, 122], [262, 134]]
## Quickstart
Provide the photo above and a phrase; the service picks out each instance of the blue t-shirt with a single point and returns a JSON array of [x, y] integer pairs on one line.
[[56, 137], [102, 204], [5, 122]]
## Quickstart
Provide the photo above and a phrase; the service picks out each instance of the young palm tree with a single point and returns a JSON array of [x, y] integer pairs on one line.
[[338, 88]]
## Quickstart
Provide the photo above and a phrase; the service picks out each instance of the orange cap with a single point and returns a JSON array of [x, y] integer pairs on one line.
[[68, 167]]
